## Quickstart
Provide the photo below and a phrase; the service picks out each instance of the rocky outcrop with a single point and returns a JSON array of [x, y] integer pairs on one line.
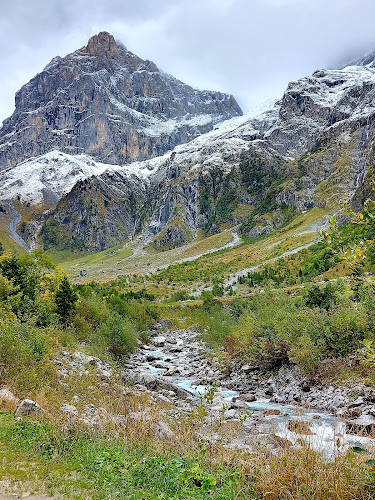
[[97, 213], [105, 101]]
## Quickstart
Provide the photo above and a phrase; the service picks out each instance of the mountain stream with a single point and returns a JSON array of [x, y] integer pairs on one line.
[[175, 363]]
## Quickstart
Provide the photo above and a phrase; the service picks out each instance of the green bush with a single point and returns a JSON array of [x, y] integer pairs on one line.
[[277, 329], [24, 352], [119, 335], [180, 295], [347, 328], [324, 297]]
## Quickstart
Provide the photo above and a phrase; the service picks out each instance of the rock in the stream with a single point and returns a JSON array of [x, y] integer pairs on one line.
[[162, 431], [176, 349], [28, 407], [159, 341], [153, 357], [268, 413], [248, 397], [363, 425], [239, 405], [357, 402]]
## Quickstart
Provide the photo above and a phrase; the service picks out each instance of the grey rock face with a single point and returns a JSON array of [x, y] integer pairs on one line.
[[99, 212], [28, 407], [106, 101]]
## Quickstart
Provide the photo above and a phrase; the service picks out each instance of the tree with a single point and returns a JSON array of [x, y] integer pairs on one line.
[[355, 250], [65, 300]]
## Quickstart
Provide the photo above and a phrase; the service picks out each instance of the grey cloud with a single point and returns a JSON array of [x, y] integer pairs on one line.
[[251, 48]]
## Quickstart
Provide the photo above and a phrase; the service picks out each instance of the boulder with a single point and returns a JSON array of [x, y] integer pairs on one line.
[[8, 400], [162, 399], [230, 414], [357, 402], [248, 397], [69, 410], [363, 425], [161, 430], [159, 341], [267, 413], [28, 407]]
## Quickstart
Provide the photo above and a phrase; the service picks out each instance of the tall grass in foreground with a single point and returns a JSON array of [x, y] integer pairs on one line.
[[127, 462]]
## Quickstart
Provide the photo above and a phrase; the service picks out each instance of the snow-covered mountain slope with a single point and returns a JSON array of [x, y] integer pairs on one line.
[[105, 101], [47, 178]]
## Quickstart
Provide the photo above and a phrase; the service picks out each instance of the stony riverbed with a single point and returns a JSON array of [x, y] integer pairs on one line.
[[174, 365]]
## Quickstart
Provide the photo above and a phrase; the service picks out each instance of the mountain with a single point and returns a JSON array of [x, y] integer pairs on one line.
[[104, 101], [313, 147]]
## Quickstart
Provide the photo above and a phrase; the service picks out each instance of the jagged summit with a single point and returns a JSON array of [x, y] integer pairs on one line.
[[105, 101], [102, 43]]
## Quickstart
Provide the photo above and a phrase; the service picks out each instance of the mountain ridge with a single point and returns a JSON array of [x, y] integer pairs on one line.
[[311, 148]]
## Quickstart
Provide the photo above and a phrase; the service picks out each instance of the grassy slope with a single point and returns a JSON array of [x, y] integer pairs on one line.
[[7, 242], [132, 258]]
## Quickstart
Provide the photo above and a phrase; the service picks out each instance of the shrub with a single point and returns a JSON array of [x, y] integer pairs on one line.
[[324, 297], [217, 290], [347, 328], [237, 308], [119, 335], [181, 295]]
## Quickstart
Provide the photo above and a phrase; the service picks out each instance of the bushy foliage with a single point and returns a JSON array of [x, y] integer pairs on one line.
[[118, 334], [180, 295], [324, 297], [276, 328], [40, 311]]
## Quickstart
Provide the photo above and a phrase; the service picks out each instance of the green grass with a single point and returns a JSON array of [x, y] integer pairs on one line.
[[8, 242], [75, 464]]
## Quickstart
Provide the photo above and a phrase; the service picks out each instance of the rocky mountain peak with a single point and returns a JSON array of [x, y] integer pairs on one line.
[[105, 101], [102, 44]]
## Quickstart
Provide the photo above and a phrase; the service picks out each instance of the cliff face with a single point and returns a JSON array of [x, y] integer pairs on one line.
[[105, 101]]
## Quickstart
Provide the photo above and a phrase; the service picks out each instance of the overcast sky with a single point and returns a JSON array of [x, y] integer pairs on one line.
[[250, 48]]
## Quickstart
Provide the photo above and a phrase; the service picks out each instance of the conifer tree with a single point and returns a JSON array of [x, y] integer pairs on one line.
[[65, 299]]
